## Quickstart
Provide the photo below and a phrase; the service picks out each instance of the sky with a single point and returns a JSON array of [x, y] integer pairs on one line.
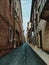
[[26, 9]]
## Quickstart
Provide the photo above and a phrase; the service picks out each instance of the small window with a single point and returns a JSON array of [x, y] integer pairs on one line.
[[11, 34], [10, 4], [39, 8]]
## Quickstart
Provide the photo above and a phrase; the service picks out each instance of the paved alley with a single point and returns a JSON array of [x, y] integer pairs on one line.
[[23, 55]]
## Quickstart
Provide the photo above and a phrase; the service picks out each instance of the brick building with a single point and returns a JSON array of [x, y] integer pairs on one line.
[[18, 23], [40, 25], [29, 32], [10, 25], [6, 25], [44, 25]]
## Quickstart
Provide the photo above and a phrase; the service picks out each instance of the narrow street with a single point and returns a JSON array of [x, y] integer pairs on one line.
[[23, 55], [24, 32]]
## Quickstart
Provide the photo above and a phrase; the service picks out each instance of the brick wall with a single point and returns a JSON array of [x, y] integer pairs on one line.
[[6, 21], [5, 10], [44, 27], [46, 38], [19, 23], [41, 27]]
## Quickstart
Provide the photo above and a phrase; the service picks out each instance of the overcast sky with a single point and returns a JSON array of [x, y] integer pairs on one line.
[[26, 9]]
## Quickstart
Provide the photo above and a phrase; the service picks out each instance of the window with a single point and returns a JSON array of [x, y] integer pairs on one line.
[[10, 4], [39, 8], [11, 34]]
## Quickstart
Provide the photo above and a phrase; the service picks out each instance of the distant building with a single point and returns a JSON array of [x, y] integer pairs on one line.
[[11, 29], [29, 34]]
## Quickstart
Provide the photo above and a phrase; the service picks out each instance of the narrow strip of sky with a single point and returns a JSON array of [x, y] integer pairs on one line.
[[26, 9]]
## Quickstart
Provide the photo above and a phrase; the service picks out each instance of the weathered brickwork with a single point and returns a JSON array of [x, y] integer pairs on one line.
[[43, 26], [19, 21], [46, 38], [6, 21], [6, 11]]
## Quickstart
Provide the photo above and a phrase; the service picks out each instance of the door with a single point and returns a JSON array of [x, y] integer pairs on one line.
[[40, 33]]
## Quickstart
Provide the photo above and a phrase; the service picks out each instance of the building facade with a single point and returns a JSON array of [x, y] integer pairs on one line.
[[6, 26], [40, 24], [18, 22], [11, 28], [29, 34], [43, 25]]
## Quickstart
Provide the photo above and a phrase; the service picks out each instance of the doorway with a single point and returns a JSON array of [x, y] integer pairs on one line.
[[40, 33]]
